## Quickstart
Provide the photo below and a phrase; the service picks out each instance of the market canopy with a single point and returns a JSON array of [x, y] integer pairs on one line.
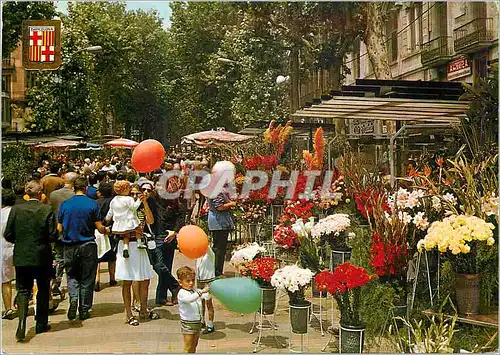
[[121, 143], [206, 138], [386, 109], [58, 144]]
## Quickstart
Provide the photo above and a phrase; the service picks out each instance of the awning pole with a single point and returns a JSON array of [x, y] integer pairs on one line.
[[391, 152]]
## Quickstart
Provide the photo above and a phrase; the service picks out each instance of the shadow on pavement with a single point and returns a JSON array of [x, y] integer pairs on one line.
[[244, 327], [164, 314], [218, 335], [65, 324], [107, 309]]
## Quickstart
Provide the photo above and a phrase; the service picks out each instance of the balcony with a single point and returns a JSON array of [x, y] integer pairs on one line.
[[7, 63], [474, 36], [436, 52]]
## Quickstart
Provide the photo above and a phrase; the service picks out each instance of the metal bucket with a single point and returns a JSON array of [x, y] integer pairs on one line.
[[467, 294], [268, 300], [351, 339], [299, 317], [339, 257]]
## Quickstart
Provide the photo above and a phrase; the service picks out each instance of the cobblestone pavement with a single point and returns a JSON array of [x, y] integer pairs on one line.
[[106, 331]]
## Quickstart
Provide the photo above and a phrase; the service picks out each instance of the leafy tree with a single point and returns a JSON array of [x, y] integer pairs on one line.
[[13, 14]]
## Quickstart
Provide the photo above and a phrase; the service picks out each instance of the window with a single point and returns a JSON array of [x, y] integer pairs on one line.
[[410, 14], [6, 112], [392, 36], [31, 79], [420, 30], [6, 81], [481, 69]]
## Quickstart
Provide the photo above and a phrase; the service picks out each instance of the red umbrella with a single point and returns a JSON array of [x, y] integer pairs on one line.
[[121, 143], [58, 144]]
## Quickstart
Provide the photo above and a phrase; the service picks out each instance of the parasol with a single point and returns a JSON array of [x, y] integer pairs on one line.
[[213, 137], [121, 143], [58, 144]]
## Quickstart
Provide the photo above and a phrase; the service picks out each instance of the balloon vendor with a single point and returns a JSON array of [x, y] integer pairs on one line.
[[205, 271], [189, 299]]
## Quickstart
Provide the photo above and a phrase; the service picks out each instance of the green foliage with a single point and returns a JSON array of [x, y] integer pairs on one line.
[[480, 126], [13, 14], [475, 339], [17, 164]]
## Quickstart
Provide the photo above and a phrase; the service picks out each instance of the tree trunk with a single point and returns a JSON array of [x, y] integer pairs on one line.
[[374, 38], [340, 126], [294, 80]]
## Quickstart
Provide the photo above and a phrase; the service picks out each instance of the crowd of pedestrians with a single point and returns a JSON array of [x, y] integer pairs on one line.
[[75, 215]]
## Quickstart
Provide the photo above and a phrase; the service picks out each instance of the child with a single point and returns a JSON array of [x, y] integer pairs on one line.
[[123, 211], [205, 271], [189, 299]]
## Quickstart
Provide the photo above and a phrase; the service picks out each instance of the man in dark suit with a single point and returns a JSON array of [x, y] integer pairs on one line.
[[32, 227]]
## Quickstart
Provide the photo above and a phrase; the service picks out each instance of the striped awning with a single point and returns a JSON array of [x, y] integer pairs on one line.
[[386, 109]]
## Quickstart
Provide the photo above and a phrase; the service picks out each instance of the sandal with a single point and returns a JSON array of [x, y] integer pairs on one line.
[[9, 314], [132, 321], [153, 315]]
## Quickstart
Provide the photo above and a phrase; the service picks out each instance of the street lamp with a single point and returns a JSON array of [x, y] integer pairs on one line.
[[227, 61], [282, 79]]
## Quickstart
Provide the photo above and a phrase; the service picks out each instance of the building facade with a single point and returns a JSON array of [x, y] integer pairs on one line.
[[435, 41]]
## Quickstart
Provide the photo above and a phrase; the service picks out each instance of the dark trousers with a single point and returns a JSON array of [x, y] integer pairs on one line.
[[162, 258], [219, 248], [81, 266], [25, 276]]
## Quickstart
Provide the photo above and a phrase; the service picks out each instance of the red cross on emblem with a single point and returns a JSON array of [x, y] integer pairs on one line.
[[48, 53], [35, 38]]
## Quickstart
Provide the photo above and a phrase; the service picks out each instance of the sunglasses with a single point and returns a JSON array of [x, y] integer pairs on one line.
[[147, 189], [135, 193]]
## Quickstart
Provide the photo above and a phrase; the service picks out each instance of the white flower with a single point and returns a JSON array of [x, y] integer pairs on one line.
[[489, 204], [404, 217], [291, 278], [436, 203], [450, 198], [334, 223], [420, 221], [246, 253]]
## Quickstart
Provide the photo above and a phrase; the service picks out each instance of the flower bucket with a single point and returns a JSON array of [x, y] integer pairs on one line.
[[252, 231], [339, 257], [276, 212], [299, 317], [351, 339], [467, 293], [315, 291], [400, 309], [268, 300]]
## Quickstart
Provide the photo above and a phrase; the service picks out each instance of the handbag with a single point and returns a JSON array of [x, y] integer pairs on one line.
[[150, 238]]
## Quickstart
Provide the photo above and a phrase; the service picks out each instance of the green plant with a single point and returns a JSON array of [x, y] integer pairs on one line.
[[17, 164], [430, 336]]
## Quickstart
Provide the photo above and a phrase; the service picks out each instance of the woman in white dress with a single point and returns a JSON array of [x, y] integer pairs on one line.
[[8, 271], [136, 267]]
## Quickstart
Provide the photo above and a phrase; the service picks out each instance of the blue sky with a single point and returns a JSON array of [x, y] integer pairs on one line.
[[162, 7]]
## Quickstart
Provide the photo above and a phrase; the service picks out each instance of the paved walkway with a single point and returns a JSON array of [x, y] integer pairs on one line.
[[106, 331]]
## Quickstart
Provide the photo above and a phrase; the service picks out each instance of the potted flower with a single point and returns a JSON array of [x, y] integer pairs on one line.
[[311, 256], [261, 270], [461, 236], [294, 280], [345, 283], [332, 230], [246, 253]]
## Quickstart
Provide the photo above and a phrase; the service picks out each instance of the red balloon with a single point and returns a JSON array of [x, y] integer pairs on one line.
[[148, 156], [192, 241]]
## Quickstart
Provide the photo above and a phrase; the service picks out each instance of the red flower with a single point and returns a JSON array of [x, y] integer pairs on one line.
[[261, 269], [285, 237], [388, 260], [365, 202], [344, 278]]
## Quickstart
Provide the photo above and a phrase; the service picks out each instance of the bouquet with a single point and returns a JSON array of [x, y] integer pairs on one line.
[[459, 235], [294, 280], [246, 253], [333, 230], [345, 285], [253, 213], [285, 237], [260, 270]]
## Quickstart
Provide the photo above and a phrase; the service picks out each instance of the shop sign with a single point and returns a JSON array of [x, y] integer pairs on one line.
[[459, 68]]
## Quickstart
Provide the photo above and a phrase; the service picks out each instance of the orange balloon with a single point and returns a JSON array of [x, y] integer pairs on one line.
[[148, 156], [192, 241]]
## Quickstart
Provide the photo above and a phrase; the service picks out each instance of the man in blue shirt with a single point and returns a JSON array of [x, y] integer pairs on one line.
[[77, 220]]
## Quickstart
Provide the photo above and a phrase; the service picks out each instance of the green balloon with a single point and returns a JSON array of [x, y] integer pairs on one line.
[[238, 294]]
